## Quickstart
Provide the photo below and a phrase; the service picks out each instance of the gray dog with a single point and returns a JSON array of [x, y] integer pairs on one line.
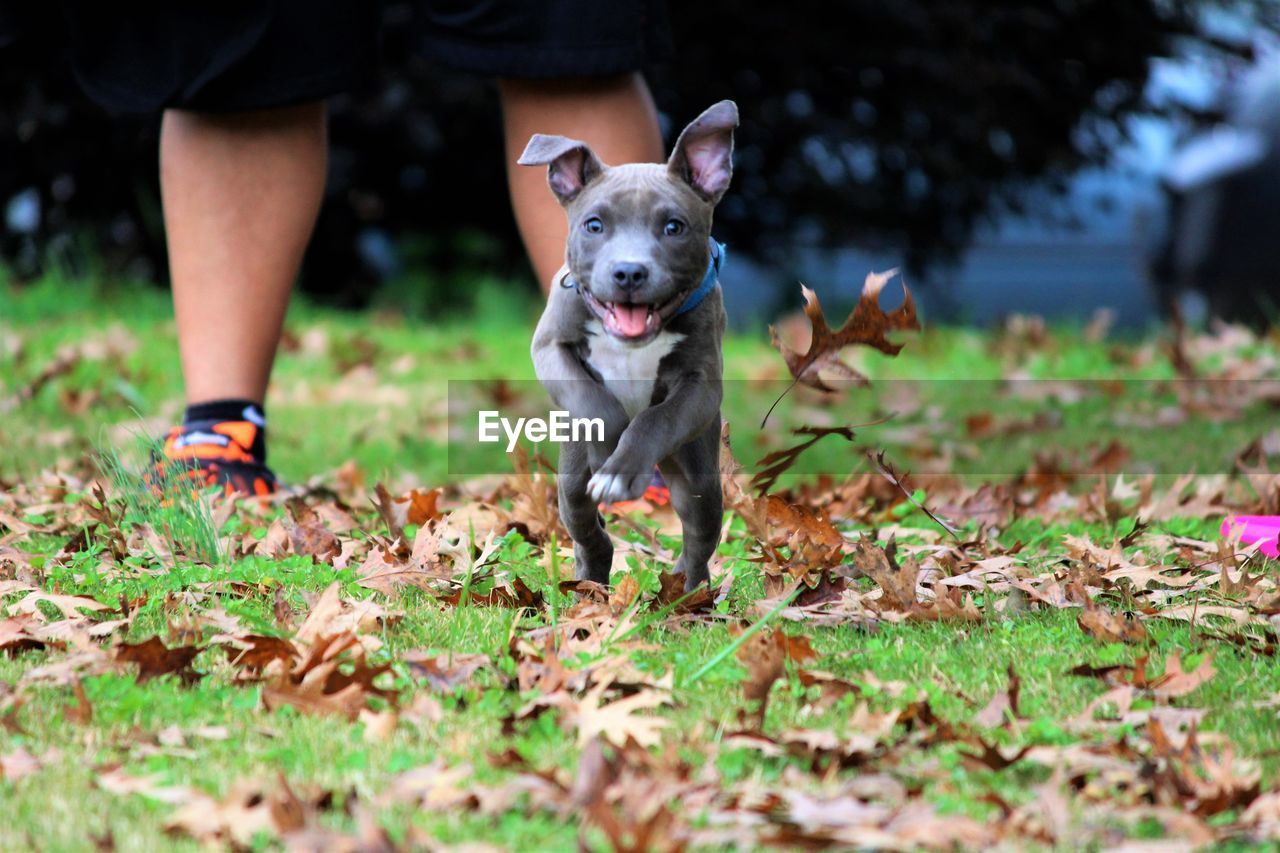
[[631, 334]]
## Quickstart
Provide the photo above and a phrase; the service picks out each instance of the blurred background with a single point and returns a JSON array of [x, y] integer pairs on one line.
[[1037, 156]]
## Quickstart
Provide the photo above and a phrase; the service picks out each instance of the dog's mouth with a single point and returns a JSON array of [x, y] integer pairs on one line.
[[633, 321]]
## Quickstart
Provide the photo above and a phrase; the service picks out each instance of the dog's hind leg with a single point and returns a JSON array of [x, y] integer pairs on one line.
[[693, 475], [592, 550]]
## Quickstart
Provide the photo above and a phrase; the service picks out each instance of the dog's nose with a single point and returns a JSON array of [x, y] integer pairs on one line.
[[629, 276]]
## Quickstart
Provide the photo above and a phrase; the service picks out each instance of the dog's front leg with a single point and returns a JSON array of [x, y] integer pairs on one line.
[[592, 549], [654, 435]]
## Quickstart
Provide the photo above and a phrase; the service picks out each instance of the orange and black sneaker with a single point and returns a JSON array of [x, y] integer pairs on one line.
[[204, 453], [656, 494]]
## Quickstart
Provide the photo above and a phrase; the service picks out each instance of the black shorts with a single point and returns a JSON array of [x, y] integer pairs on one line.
[[136, 56]]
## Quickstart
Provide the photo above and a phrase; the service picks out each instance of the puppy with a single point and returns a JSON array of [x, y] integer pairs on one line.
[[632, 334]]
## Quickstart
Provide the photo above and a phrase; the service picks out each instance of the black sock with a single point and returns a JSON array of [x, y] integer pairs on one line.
[[226, 410], [215, 411]]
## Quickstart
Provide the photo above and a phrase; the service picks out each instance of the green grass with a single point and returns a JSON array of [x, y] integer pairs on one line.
[[388, 418]]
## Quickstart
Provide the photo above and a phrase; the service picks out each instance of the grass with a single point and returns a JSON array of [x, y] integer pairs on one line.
[[947, 665], [371, 390]]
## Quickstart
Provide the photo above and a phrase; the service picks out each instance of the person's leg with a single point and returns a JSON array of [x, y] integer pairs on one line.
[[614, 114], [241, 192]]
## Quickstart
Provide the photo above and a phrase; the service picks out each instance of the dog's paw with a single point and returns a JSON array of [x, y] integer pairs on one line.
[[606, 486]]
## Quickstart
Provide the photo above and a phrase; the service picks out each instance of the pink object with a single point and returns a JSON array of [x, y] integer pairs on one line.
[[1256, 528]]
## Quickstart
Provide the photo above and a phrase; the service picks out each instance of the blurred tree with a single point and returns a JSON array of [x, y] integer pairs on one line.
[[892, 124], [902, 124]]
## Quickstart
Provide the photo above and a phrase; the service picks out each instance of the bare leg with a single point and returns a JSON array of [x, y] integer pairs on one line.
[[241, 192], [615, 115]]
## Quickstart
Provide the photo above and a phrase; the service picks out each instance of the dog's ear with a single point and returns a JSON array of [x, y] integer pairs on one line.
[[571, 164], [703, 154]]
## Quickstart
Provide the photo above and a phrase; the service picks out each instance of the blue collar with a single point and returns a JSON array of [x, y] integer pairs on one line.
[[694, 299], [709, 280]]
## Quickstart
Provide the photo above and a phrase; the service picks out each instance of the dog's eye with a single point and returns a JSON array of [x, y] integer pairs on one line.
[[673, 228], [593, 225]]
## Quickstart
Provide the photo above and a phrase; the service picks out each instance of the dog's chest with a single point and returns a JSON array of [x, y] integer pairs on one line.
[[628, 372]]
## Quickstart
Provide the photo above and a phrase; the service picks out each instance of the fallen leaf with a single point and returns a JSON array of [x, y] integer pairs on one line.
[[18, 764], [1003, 705], [422, 506], [154, 659], [1177, 682], [765, 654], [81, 713], [881, 565], [1102, 624], [378, 725], [619, 720]]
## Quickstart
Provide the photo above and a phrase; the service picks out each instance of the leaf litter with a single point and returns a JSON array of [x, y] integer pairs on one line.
[[852, 758]]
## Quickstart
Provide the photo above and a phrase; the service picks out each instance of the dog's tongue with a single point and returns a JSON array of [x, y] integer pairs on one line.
[[630, 320]]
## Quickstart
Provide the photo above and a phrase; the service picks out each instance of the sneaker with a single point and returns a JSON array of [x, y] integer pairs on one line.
[[211, 453], [658, 494]]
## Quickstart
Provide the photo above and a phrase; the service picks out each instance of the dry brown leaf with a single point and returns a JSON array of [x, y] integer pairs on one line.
[[1003, 705], [1177, 682], [255, 652], [512, 592], [1102, 624], [388, 569], [446, 672], [311, 695], [625, 591], [775, 464], [320, 621], [619, 720], [1201, 781], [16, 635], [154, 659], [865, 325], [534, 505], [392, 516], [69, 605], [881, 565], [18, 764], [1133, 675], [248, 809], [308, 536], [765, 654], [378, 725], [423, 507], [332, 678], [81, 713], [316, 541]]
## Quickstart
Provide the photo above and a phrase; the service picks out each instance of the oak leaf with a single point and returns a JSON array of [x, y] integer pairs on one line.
[[153, 659], [308, 534], [1003, 705], [422, 506], [765, 654], [865, 325], [1102, 624], [1178, 682], [881, 565], [618, 720]]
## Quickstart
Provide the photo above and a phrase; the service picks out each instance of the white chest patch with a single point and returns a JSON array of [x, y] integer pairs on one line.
[[628, 372]]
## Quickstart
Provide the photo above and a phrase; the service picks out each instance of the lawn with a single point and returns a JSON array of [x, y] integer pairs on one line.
[[1038, 637]]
